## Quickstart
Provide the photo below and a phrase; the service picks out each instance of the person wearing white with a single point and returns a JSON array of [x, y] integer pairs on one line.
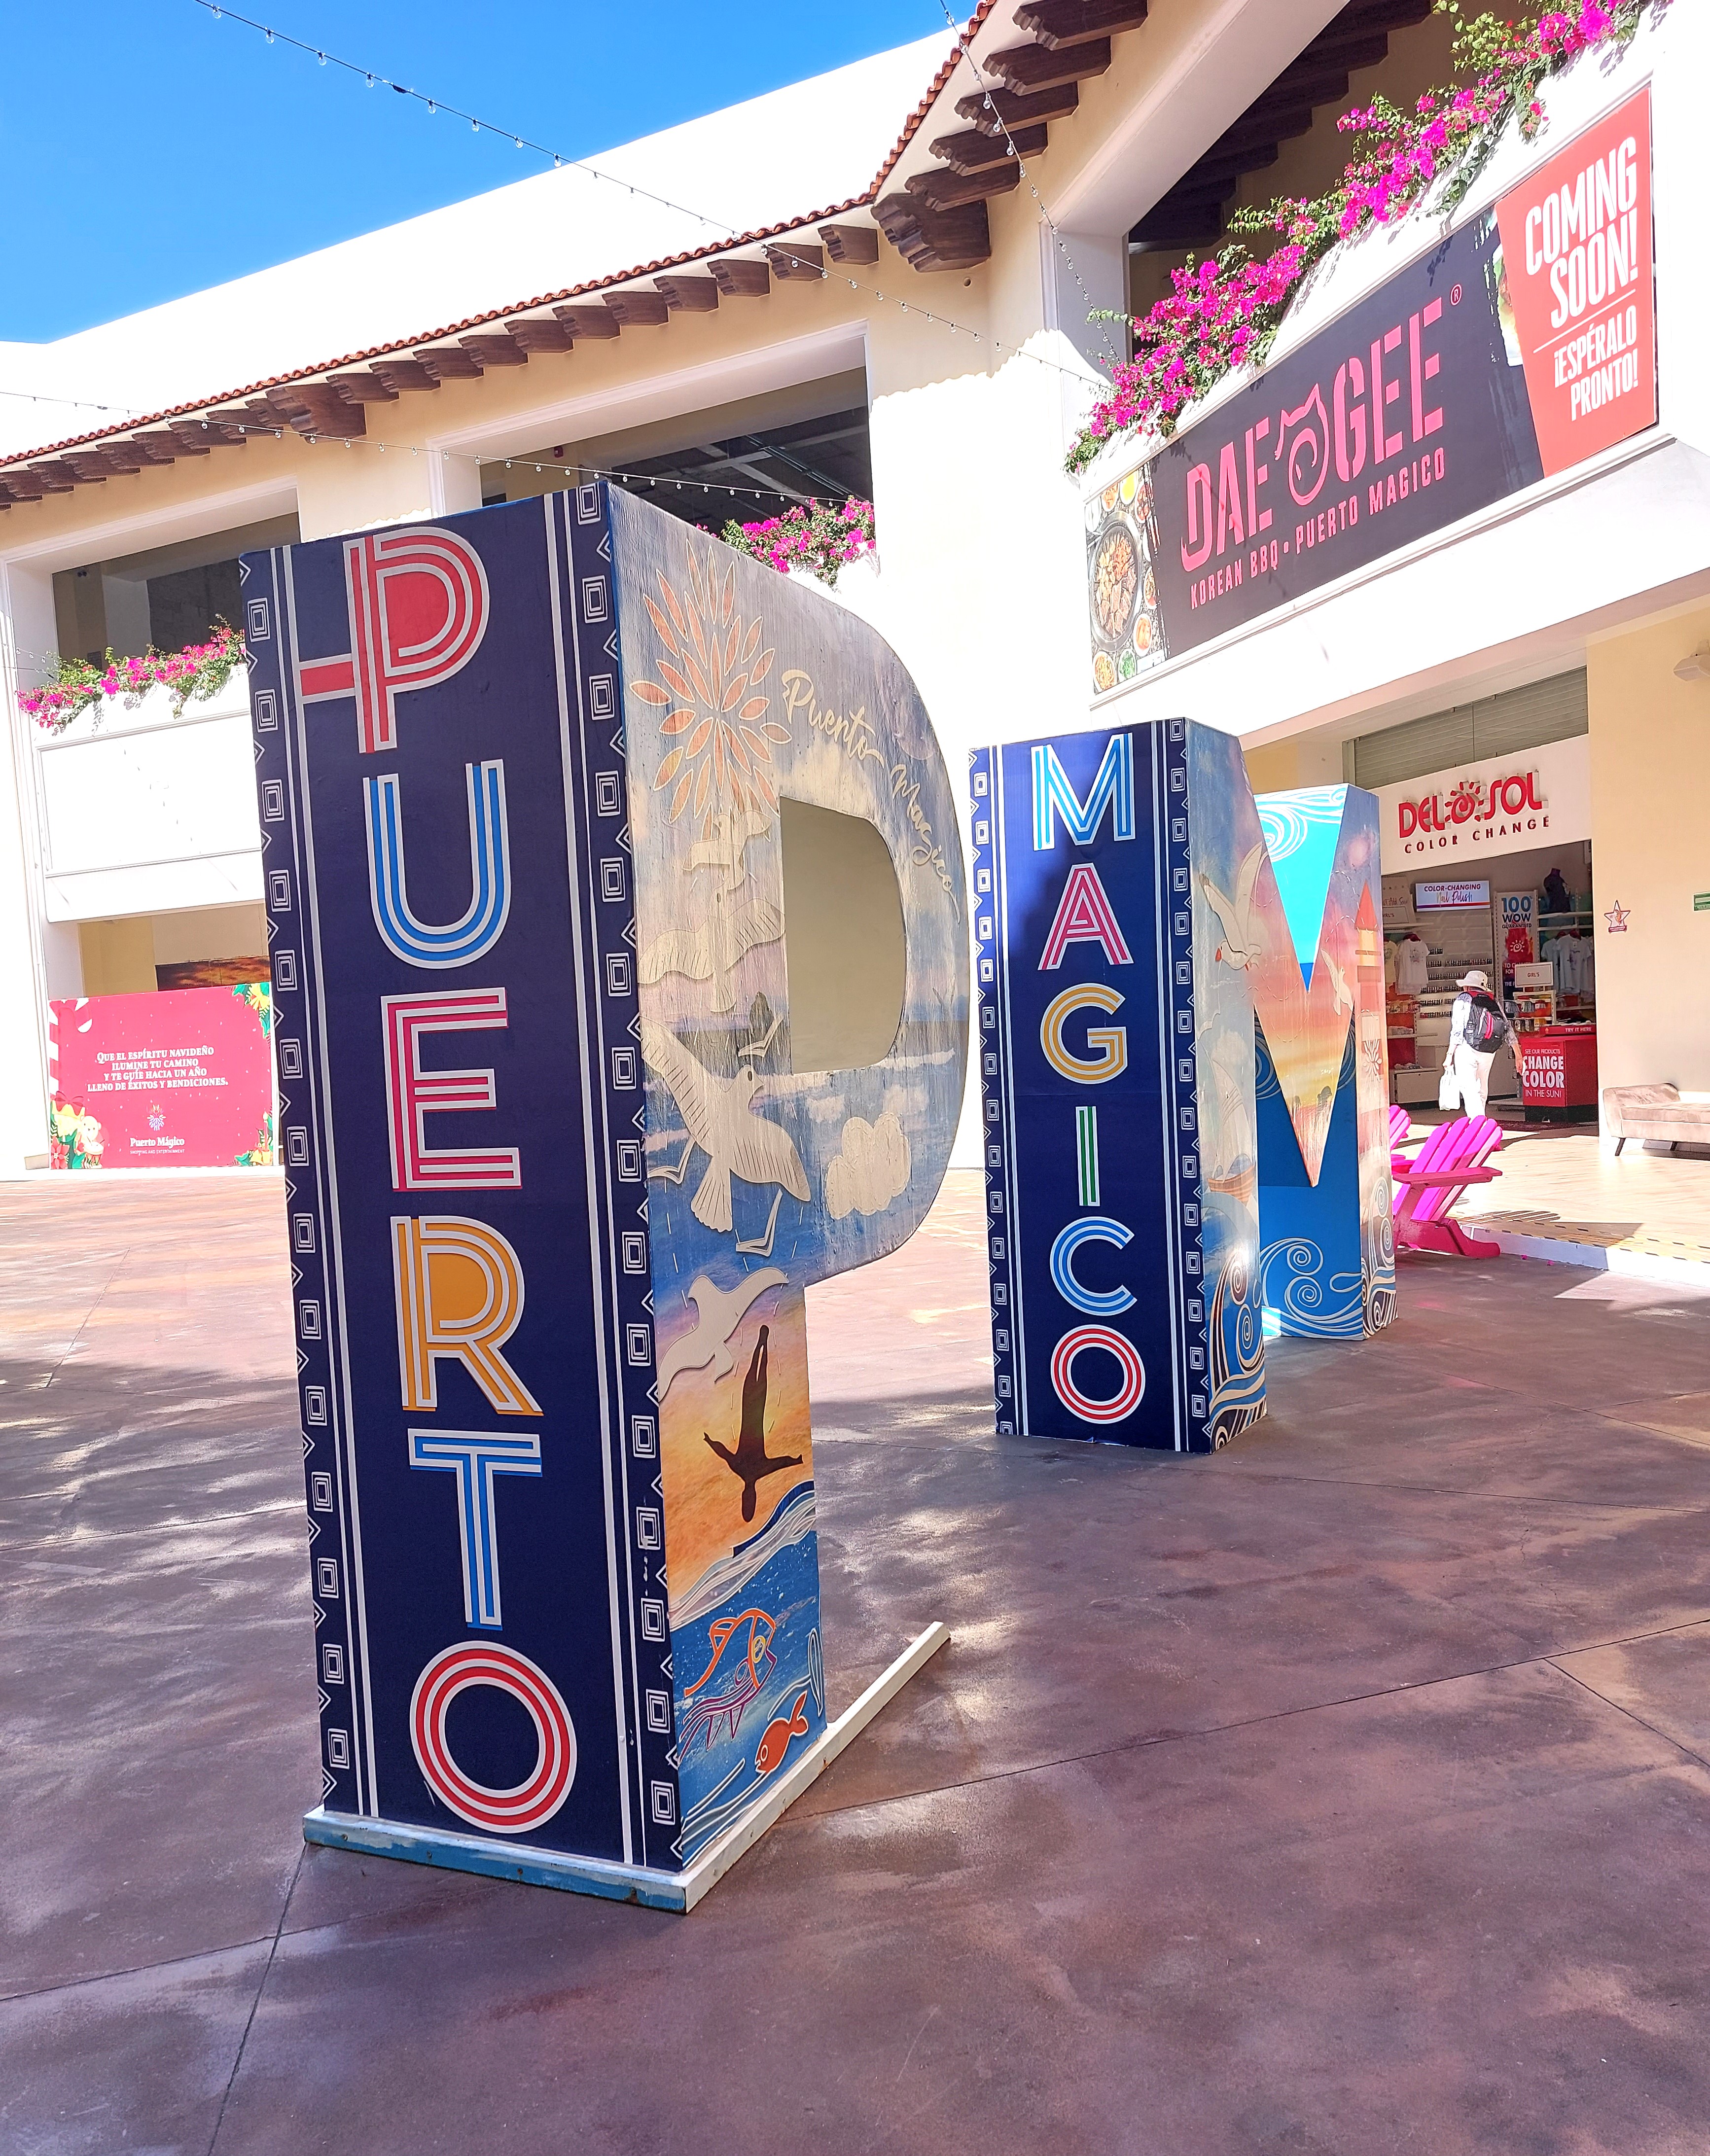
[[1470, 1067]]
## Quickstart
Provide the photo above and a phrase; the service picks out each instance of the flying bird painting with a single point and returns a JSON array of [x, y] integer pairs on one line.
[[718, 1311], [723, 1122], [1244, 941]]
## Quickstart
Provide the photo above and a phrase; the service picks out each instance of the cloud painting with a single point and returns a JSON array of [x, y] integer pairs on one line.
[[872, 1168]]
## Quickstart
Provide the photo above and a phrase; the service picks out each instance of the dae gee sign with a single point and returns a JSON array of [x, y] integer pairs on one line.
[[1522, 344]]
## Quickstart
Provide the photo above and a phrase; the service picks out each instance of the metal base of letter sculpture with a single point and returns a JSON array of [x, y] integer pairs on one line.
[[1136, 962], [524, 777]]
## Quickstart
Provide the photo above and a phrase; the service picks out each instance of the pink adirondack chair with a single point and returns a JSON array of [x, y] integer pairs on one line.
[[1400, 1131], [1452, 1157]]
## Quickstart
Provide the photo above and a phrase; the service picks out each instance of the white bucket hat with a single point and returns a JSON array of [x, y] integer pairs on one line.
[[1475, 979]]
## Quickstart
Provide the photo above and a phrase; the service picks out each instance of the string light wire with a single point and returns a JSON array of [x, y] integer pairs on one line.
[[77, 403], [374, 79], [658, 481]]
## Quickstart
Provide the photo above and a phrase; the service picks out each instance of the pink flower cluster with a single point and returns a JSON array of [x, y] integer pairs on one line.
[[1223, 314], [818, 537], [1213, 321], [198, 670], [1563, 35], [1408, 149]]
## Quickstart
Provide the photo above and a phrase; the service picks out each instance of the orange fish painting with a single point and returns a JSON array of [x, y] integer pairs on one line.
[[769, 1752]]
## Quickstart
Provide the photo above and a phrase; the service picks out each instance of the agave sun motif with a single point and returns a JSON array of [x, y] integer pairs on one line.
[[706, 687]]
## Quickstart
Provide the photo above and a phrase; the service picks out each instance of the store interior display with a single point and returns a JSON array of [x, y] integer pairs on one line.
[[1426, 949]]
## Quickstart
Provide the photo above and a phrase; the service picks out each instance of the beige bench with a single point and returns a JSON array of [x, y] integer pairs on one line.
[[1661, 1113]]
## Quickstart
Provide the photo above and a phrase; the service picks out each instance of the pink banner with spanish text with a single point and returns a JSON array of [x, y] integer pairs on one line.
[[182, 1078]]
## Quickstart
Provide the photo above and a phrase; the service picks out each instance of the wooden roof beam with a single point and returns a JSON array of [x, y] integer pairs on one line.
[[932, 240], [104, 461], [1026, 69], [1267, 130], [1379, 15], [944, 191], [316, 407], [495, 350], [1342, 49], [363, 389], [596, 324], [1236, 168], [853, 243], [998, 109], [449, 363], [1191, 188], [404, 374], [1299, 85], [219, 430], [1059, 22], [533, 333], [797, 261], [693, 295], [977, 152], [638, 310], [737, 278]]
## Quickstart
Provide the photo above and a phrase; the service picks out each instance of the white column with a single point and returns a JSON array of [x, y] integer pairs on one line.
[[1085, 272], [27, 634]]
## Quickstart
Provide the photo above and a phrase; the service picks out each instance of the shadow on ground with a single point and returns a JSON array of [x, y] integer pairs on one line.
[[1346, 1791]]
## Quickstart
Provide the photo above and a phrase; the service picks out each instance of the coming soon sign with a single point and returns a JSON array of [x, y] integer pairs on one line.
[[1577, 255]]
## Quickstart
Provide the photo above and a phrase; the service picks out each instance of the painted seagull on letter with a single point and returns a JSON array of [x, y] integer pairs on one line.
[[1243, 944], [723, 1122], [718, 1311]]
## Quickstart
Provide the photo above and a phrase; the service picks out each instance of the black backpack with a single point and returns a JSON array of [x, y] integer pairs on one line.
[[1486, 1024]]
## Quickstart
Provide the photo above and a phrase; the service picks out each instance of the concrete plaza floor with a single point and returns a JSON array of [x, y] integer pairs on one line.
[[1347, 1792], [1561, 1184]]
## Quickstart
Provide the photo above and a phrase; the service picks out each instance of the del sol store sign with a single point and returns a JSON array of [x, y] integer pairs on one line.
[[1535, 797]]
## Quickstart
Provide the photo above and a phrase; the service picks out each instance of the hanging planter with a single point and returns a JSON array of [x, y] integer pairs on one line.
[[76, 686], [820, 537]]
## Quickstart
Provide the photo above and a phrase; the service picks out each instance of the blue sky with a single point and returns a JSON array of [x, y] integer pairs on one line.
[[148, 149]]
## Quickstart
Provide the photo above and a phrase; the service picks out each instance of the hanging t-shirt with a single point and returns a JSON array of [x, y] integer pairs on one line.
[[1413, 971], [1571, 961], [1562, 963]]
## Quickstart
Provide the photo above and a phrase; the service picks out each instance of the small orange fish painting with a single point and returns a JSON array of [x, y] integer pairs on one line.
[[769, 1752]]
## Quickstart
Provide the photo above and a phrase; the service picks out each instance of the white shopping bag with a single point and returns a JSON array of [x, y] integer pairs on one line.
[[1449, 1092]]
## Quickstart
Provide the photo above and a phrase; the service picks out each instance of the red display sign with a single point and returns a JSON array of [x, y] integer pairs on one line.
[[1559, 1068], [178, 1078], [1577, 262]]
